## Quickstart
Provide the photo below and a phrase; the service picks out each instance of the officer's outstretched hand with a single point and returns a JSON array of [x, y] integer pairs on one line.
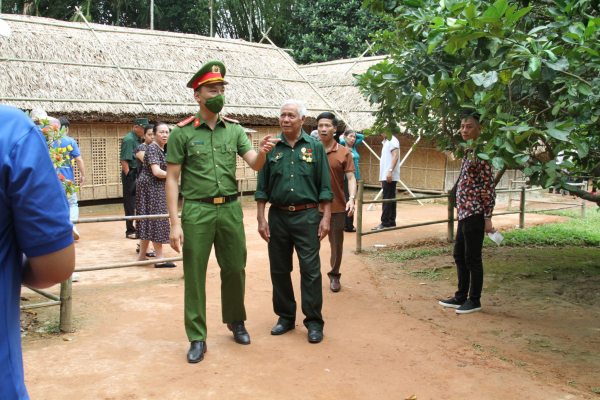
[[263, 229], [267, 144], [176, 238]]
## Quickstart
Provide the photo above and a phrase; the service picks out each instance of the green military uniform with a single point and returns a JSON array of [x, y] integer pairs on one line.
[[292, 177], [208, 166], [128, 144]]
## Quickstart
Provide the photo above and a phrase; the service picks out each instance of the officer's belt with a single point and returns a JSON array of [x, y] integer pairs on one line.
[[297, 208], [219, 200]]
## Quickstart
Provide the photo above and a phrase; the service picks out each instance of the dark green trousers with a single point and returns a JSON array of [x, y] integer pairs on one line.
[[203, 225], [296, 230]]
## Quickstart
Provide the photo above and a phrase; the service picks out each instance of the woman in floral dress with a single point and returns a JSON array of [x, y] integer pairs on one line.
[[151, 198]]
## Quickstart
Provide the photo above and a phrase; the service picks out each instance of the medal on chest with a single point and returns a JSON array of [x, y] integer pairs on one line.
[[306, 154]]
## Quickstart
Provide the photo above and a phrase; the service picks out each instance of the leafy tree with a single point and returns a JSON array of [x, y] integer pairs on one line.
[[531, 68], [330, 30]]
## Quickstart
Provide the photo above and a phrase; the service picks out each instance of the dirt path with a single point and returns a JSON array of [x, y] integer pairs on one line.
[[130, 342]]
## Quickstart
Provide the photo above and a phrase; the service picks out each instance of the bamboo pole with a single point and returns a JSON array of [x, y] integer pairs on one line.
[[450, 219], [393, 228], [436, 196], [129, 264], [151, 15], [372, 58], [522, 208], [66, 303], [44, 293], [41, 305], [359, 212], [349, 69]]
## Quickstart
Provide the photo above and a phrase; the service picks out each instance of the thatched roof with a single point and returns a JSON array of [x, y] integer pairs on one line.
[[158, 65], [336, 79]]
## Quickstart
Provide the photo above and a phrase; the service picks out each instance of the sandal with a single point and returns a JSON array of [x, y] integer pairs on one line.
[[131, 236], [151, 254], [165, 265]]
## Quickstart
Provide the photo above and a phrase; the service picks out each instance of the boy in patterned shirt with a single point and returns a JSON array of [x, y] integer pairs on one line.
[[475, 200]]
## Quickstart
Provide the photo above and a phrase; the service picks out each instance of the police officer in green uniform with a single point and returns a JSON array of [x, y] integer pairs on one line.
[[129, 170], [294, 179], [203, 150]]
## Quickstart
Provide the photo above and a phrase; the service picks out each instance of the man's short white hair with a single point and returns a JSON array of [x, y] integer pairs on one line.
[[38, 115], [298, 103]]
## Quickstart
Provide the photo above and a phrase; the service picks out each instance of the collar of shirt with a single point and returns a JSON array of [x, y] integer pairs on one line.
[[199, 121], [303, 136], [334, 148]]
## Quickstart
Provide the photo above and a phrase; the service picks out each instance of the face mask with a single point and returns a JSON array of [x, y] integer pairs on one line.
[[214, 104]]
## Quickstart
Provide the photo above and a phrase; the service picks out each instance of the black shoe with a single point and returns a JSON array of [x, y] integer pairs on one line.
[[453, 302], [280, 329], [196, 353], [315, 336], [240, 334], [469, 307]]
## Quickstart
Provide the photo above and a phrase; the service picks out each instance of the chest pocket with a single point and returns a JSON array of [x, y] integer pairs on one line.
[[307, 166], [197, 152], [276, 165], [228, 152]]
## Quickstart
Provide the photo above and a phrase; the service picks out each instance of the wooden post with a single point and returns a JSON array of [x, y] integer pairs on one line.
[[359, 209], [522, 208], [582, 208], [510, 186], [450, 218], [65, 306]]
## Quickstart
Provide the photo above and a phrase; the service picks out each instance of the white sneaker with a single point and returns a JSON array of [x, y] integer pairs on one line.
[[75, 277], [75, 233]]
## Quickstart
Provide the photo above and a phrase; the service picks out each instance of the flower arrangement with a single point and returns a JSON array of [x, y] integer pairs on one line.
[[59, 156]]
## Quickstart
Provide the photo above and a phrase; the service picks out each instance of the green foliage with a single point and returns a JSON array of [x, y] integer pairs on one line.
[[532, 69], [330, 30]]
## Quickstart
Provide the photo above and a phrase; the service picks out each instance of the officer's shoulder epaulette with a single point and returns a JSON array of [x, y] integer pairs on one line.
[[230, 119], [185, 121]]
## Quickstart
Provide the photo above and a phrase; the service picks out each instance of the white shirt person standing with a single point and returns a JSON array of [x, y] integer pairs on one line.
[[389, 174]]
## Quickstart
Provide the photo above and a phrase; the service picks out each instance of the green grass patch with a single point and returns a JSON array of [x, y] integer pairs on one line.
[[574, 232]]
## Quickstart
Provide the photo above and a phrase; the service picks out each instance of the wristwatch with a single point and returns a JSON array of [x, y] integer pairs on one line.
[[351, 197], [391, 170]]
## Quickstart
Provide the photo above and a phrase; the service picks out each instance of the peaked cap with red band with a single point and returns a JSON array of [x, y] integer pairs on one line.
[[212, 71]]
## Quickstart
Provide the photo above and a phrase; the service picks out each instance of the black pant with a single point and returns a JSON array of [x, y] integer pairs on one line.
[[467, 255], [349, 221], [128, 204], [388, 213]]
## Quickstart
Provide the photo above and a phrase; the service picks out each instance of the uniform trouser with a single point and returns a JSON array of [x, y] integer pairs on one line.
[[336, 241], [204, 224], [388, 210], [349, 222], [467, 255], [128, 204], [296, 230]]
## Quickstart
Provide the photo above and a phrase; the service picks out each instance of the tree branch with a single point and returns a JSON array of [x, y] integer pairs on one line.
[[449, 134], [576, 77], [587, 196], [500, 174]]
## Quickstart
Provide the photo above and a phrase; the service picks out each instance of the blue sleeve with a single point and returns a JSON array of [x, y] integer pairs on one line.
[[76, 152], [359, 139], [38, 200], [342, 140]]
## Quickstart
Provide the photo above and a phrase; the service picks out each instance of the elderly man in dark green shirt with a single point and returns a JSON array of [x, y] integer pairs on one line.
[[203, 150], [294, 179], [128, 172]]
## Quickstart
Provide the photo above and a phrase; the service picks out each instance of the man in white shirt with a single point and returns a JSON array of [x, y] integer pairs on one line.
[[389, 174]]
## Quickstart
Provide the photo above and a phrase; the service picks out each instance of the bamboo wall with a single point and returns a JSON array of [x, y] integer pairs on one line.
[[100, 145], [424, 169]]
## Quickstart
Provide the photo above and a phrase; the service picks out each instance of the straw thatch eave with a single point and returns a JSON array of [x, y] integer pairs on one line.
[[334, 79], [156, 65]]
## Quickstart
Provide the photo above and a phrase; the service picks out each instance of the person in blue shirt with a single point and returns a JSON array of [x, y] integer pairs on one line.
[[351, 140], [72, 155], [34, 220]]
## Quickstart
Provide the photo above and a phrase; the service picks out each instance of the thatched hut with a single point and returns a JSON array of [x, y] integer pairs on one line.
[[425, 169], [102, 79]]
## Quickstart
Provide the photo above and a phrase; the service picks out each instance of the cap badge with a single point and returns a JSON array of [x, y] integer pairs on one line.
[[215, 69]]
